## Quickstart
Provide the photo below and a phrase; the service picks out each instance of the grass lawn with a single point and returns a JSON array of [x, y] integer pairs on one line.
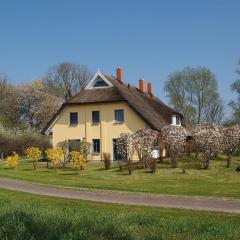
[[25, 216], [218, 181]]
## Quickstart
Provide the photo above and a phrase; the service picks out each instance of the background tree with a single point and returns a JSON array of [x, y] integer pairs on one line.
[[9, 115], [209, 140], [35, 105], [191, 91], [66, 79], [235, 105], [174, 138]]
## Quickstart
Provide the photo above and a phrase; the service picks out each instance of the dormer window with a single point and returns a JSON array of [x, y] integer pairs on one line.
[[100, 83], [176, 120], [99, 80]]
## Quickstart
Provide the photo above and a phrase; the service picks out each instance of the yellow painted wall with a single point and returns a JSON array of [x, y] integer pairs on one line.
[[106, 130]]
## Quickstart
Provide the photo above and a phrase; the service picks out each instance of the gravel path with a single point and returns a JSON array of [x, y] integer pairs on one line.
[[209, 204]]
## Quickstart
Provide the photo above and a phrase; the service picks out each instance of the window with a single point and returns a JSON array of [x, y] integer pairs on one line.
[[176, 120], [100, 83], [95, 117], [119, 116], [73, 118], [96, 146], [74, 145]]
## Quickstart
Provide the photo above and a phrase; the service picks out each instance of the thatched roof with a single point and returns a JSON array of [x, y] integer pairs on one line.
[[150, 108]]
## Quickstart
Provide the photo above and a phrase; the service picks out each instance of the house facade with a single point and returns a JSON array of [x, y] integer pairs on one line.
[[107, 107]]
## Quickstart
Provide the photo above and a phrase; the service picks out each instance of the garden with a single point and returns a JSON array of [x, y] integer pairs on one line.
[[193, 167]]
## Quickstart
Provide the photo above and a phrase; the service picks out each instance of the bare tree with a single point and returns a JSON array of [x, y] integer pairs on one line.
[[214, 110], [66, 79], [191, 90]]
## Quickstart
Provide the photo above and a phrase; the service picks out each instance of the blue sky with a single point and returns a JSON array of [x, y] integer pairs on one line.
[[149, 39]]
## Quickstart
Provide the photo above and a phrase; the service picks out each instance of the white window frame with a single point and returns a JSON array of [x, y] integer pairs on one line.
[[174, 120]]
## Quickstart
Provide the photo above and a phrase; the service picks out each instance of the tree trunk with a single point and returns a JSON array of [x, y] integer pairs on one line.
[[205, 161], [174, 162], [129, 166], [153, 165], [229, 160]]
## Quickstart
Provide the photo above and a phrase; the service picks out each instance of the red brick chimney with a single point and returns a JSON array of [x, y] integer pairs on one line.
[[120, 74], [142, 85], [149, 86]]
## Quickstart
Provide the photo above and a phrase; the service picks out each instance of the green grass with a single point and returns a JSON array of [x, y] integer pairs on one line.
[[218, 181], [25, 216]]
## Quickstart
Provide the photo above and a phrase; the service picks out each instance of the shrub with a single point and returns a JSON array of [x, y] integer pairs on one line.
[[231, 142], [55, 156], [174, 138], [33, 154], [125, 149], [144, 141], [77, 161], [11, 161], [19, 141], [209, 140], [107, 160]]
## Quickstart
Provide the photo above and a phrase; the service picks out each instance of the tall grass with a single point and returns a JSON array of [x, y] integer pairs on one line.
[[25, 216]]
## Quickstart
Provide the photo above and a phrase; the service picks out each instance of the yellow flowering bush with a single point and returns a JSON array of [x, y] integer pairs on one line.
[[33, 154], [11, 161], [55, 156], [77, 161]]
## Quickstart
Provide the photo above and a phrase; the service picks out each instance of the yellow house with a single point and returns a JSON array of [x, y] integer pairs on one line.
[[107, 107]]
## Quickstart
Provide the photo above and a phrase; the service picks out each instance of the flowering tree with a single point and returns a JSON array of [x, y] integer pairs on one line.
[[125, 148], [11, 161], [231, 141], [33, 154], [85, 149], [144, 140], [77, 161], [208, 138], [56, 156], [174, 138]]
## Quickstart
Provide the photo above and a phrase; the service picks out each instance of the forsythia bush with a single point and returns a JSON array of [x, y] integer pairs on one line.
[[11, 161], [56, 156], [77, 161], [33, 154]]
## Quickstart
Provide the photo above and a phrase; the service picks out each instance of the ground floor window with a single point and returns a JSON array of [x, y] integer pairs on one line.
[[96, 146], [74, 145]]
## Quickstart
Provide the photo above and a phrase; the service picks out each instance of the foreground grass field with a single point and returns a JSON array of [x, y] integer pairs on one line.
[[218, 181], [24, 216]]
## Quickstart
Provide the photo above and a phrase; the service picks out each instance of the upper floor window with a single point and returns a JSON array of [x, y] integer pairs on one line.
[[73, 118], [95, 117], [119, 115], [99, 82], [176, 120], [96, 146]]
